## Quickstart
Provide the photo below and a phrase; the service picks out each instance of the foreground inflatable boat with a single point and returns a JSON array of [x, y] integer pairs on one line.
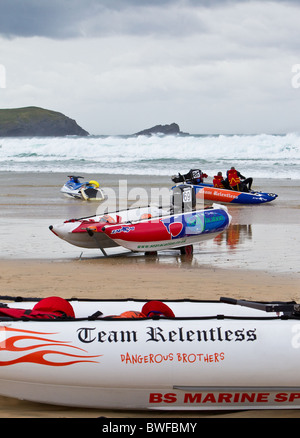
[[167, 355]]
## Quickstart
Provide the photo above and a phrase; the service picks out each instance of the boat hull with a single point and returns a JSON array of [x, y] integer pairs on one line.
[[80, 232], [227, 358], [129, 229], [210, 193], [171, 231]]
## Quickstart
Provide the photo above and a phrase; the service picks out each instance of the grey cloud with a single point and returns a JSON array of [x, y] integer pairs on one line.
[[74, 18], [199, 59], [61, 19], [53, 18]]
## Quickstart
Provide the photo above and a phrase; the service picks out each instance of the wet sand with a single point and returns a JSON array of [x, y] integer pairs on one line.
[[258, 259]]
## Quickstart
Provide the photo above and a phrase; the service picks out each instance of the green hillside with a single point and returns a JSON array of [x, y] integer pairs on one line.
[[35, 121]]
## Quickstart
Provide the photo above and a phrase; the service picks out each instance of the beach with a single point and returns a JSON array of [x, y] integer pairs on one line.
[[256, 259]]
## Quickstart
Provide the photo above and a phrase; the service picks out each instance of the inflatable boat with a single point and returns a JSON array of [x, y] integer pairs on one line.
[[147, 229], [158, 354], [87, 191], [210, 193]]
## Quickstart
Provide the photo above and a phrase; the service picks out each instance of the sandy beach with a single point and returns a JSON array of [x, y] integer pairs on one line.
[[259, 261]]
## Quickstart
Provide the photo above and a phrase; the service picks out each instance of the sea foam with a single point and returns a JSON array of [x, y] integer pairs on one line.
[[261, 155]]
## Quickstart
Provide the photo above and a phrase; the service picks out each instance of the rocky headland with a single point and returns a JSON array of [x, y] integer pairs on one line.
[[172, 129], [37, 122]]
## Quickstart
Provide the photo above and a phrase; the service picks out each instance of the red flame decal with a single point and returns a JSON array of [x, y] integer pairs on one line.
[[38, 357]]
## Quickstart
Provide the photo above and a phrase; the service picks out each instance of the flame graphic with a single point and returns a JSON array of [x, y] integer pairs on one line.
[[38, 357]]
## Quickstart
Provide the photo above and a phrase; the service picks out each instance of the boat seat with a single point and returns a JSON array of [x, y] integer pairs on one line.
[[55, 304], [149, 310], [130, 314], [106, 219], [47, 308], [146, 216], [157, 308]]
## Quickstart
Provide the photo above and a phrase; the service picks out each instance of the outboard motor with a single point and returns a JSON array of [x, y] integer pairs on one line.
[[193, 176], [177, 178], [183, 198]]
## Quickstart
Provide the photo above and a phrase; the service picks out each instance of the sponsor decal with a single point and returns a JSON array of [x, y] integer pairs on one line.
[[123, 229], [195, 224], [158, 335], [173, 225], [27, 346], [161, 245], [220, 194], [228, 398], [185, 358]]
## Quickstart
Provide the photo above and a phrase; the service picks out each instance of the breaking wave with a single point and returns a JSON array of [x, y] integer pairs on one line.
[[263, 155]]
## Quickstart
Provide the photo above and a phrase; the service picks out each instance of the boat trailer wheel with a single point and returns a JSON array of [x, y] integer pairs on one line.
[[187, 250]]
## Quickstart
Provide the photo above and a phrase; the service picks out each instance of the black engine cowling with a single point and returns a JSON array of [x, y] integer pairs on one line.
[[183, 198]]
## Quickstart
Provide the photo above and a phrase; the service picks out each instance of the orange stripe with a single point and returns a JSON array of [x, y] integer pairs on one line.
[[214, 194]]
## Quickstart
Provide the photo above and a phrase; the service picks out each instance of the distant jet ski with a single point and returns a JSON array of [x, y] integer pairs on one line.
[[88, 191]]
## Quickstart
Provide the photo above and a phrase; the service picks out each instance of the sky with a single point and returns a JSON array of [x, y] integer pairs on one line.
[[121, 66]]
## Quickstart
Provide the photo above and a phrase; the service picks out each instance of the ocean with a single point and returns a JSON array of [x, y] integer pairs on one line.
[[259, 156]]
